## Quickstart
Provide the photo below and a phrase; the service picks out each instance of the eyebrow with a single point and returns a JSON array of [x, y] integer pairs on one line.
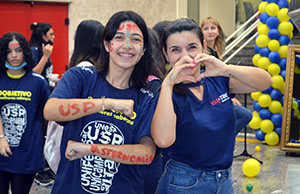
[[133, 34]]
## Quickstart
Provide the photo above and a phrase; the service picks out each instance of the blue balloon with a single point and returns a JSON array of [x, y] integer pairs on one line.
[[282, 100], [276, 94], [282, 63], [274, 34], [282, 73], [264, 52], [260, 135], [263, 17], [268, 90], [274, 57], [272, 1], [297, 59], [291, 43], [256, 49], [278, 131], [283, 4], [284, 40], [276, 119], [264, 113], [272, 22], [256, 106]]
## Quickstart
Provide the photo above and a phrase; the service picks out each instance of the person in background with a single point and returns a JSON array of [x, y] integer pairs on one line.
[[194, 113], [107, 114], [87, 44], [41, 45], [23, 94], [215, 38]]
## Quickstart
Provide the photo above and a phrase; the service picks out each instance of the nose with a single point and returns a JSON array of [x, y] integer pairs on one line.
[[13, 53]]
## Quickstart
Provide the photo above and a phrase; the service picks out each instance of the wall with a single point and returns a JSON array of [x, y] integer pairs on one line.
[[222, 10]]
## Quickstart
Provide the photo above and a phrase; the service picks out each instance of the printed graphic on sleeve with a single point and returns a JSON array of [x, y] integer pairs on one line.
[[97, 173], [14, 119]]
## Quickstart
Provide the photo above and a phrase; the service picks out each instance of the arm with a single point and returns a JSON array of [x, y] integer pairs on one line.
[[243, 79], [142, 153], [71, 109], [163, 127], [47, 51], [4, 146]]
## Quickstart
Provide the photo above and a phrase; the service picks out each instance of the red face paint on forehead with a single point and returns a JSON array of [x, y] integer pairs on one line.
[[132, 27], [13, 45], [121, 27]]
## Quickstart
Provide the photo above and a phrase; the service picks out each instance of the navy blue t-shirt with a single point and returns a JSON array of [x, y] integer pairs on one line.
[[48, 68], [93, 174], [205, 129], [22, 102]]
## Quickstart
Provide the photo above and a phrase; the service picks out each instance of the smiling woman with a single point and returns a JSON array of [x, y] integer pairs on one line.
[[108, 114]]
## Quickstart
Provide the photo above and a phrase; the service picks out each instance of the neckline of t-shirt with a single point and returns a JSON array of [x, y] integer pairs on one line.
[[117, 89]]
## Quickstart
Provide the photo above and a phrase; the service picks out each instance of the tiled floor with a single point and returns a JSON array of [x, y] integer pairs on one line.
[[279, 174]]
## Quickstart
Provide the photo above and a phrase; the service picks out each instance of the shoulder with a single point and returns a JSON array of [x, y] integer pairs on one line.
[[85, 64]]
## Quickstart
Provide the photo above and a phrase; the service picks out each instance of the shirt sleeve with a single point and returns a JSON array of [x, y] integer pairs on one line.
[[70, 85], [145, 119]]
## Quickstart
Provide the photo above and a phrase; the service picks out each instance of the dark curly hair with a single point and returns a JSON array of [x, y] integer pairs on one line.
[[143, 68], [5, 40]]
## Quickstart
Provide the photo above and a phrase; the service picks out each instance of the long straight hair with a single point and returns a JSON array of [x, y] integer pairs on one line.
[[88, 40], [38, 30]]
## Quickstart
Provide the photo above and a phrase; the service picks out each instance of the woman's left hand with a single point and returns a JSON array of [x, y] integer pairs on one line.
[[213, 66], [76, 150]]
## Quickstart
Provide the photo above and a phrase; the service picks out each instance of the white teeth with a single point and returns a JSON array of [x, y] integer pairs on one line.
[[126, 55]]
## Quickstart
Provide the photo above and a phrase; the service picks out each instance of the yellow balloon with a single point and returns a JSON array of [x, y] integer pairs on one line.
[[262, 41], [275, 107], [273, 45], [251, 167], [255, 59], [277, 81], [264, 62], [272, 138], [257, 148], [255, 95], [297, 69], [285, 28], [272, 9], [274, 69], [255, 122], [295, 105], [266, 126], [283, 51], [262, 6], [264, 100], [255, 114], [291, 35], [263, 29], [283, 15]]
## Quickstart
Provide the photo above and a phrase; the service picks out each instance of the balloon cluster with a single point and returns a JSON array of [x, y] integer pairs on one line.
[[275, 32]]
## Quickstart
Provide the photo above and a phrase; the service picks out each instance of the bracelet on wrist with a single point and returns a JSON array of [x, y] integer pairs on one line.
[[103, 98], [2, 136]]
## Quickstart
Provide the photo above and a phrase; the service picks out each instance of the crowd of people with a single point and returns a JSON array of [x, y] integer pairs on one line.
[[139, 108]]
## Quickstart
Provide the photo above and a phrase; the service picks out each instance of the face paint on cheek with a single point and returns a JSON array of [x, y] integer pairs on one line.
[[13, 45], [111, 47]]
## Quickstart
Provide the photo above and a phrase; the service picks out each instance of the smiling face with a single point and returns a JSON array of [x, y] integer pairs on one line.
[[181, 44], [15, 56], [127, 46]]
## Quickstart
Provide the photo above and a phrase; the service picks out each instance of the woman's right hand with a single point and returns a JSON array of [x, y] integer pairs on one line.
[[176, 75], [47, 50], [123, 106], [4, 148]]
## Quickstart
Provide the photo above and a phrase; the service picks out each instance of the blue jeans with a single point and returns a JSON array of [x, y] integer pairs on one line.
[[180, 178], [243, 116]]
